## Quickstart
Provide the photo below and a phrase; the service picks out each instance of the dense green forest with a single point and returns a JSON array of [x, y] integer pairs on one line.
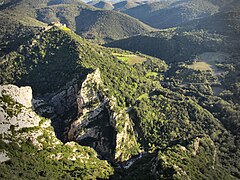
[[172, 13], [166, 104], [87, 21], [163, 116], [47, 157]]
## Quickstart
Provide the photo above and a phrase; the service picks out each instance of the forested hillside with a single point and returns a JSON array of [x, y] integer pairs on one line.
[[103, 5], [164, 106], [216, 33], [85, 20], [167, 14], [183, 115]]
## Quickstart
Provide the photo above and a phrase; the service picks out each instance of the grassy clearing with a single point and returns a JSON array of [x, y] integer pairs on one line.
[[208, 60], [203, 66], [130, 58]]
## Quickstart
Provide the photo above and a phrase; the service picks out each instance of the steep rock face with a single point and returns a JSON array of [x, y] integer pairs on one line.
[[60, 102], [65, 98], [27, 141], [15, 109], [100, 124], [94, 126], [60, 107], [22, 95], [17, 117], [3, 157], [89, 92], [110, 133]]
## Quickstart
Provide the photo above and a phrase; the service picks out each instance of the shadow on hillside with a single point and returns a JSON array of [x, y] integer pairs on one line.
[[60, 107], [84, 21]]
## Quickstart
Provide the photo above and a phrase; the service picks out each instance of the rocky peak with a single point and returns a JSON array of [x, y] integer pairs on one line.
[[26, 138], [22, 95], [15, 109], [99, 126], [89, 95], [93, 126]]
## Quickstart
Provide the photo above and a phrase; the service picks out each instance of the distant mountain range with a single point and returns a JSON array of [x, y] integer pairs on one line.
[[103, 95], [220, 31], [170, 13], [78, 16], [120, 5]]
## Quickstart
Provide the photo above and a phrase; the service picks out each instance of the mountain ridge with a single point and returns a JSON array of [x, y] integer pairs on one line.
[[167, 14], [95, 112], [36, 14]]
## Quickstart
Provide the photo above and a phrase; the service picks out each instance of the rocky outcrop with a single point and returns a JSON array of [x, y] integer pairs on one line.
[[17, 119], [89, 103], [43, 108], [59, 103], [15, 109], [94, 126], [98, 124], [109, 132], [3, 157], [89, 91], [61, 107], [26, 138], [196, 146], [63, 100], [22, 95]]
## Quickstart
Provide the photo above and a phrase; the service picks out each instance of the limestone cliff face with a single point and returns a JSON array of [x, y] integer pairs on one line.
[[89, 92], [15, 109], [22, 95], [98, 125], [27, 138], [16, 116], [63, 100], [60, 107], [93, 126]]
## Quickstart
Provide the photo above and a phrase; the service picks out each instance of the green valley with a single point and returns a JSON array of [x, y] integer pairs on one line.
[[88, 93]]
